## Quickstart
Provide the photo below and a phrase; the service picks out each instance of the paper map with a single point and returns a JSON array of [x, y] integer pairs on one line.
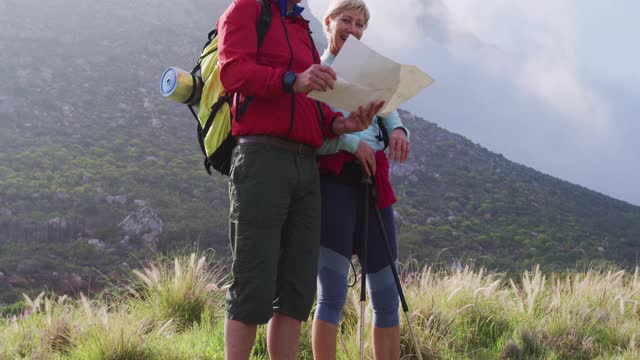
[[365, 76]]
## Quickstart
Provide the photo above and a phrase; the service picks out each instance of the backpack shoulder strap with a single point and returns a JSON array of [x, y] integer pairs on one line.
[[264, 21], [383, 134], [314, 50]]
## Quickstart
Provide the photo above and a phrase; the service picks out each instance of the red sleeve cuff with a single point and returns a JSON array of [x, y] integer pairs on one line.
[[331, 117]]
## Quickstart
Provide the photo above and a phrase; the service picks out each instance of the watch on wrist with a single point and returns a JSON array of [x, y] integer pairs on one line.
[[288, 79]]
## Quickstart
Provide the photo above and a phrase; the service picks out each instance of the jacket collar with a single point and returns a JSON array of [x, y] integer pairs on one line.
[[297, 10]]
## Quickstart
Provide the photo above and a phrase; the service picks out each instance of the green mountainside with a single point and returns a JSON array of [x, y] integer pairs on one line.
[[98, 171]]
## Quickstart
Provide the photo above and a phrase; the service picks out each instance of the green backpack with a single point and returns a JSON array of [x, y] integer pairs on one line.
[[214, 115]]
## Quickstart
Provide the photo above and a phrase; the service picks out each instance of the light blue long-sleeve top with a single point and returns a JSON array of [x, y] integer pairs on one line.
[[350, 142]]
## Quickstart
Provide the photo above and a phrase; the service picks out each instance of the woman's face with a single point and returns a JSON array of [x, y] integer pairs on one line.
[[348, 22]]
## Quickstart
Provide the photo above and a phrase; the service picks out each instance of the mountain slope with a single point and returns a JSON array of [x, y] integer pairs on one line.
[[457, 195]]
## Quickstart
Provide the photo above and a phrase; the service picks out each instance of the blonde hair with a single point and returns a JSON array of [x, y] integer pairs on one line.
[[338, 6]]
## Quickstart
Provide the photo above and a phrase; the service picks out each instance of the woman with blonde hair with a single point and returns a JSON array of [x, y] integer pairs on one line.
[[342, 162]]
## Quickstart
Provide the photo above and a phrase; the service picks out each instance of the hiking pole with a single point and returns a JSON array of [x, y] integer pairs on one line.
[[364, 235], [392, 265]]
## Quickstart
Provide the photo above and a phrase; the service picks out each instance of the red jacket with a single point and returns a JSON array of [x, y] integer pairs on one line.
[[259, 74]]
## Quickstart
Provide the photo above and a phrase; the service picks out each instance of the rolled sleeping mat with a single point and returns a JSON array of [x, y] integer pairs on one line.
[[179, 85]]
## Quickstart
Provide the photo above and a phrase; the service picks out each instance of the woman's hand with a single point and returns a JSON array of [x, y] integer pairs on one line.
[[367, 157], [398, 145]]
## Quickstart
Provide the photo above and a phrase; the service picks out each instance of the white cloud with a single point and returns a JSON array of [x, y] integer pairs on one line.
[[559, 86], [540, 38], [391, 25]]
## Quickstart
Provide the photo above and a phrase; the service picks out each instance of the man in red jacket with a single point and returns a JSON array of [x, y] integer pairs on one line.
[[274, 187]]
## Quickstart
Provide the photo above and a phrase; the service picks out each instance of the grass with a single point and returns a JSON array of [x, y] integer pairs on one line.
[[174, 309]]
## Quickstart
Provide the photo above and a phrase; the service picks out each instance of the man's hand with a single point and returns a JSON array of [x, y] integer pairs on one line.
[[367, 157], [316, 77], [398, 145], [357, 120]]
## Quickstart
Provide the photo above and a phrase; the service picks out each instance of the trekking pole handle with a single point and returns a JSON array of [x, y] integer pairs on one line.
[[366, 179]]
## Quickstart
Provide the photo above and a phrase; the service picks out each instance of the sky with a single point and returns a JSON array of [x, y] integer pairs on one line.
[[553, 85]]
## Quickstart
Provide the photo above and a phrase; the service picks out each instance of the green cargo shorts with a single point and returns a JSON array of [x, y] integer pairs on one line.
[[274, 230]]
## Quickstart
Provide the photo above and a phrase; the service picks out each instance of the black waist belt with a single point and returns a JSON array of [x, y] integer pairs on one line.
[[291, 146]]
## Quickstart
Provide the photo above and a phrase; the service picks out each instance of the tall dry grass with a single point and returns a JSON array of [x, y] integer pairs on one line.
[[181, 289], [173, 309]]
